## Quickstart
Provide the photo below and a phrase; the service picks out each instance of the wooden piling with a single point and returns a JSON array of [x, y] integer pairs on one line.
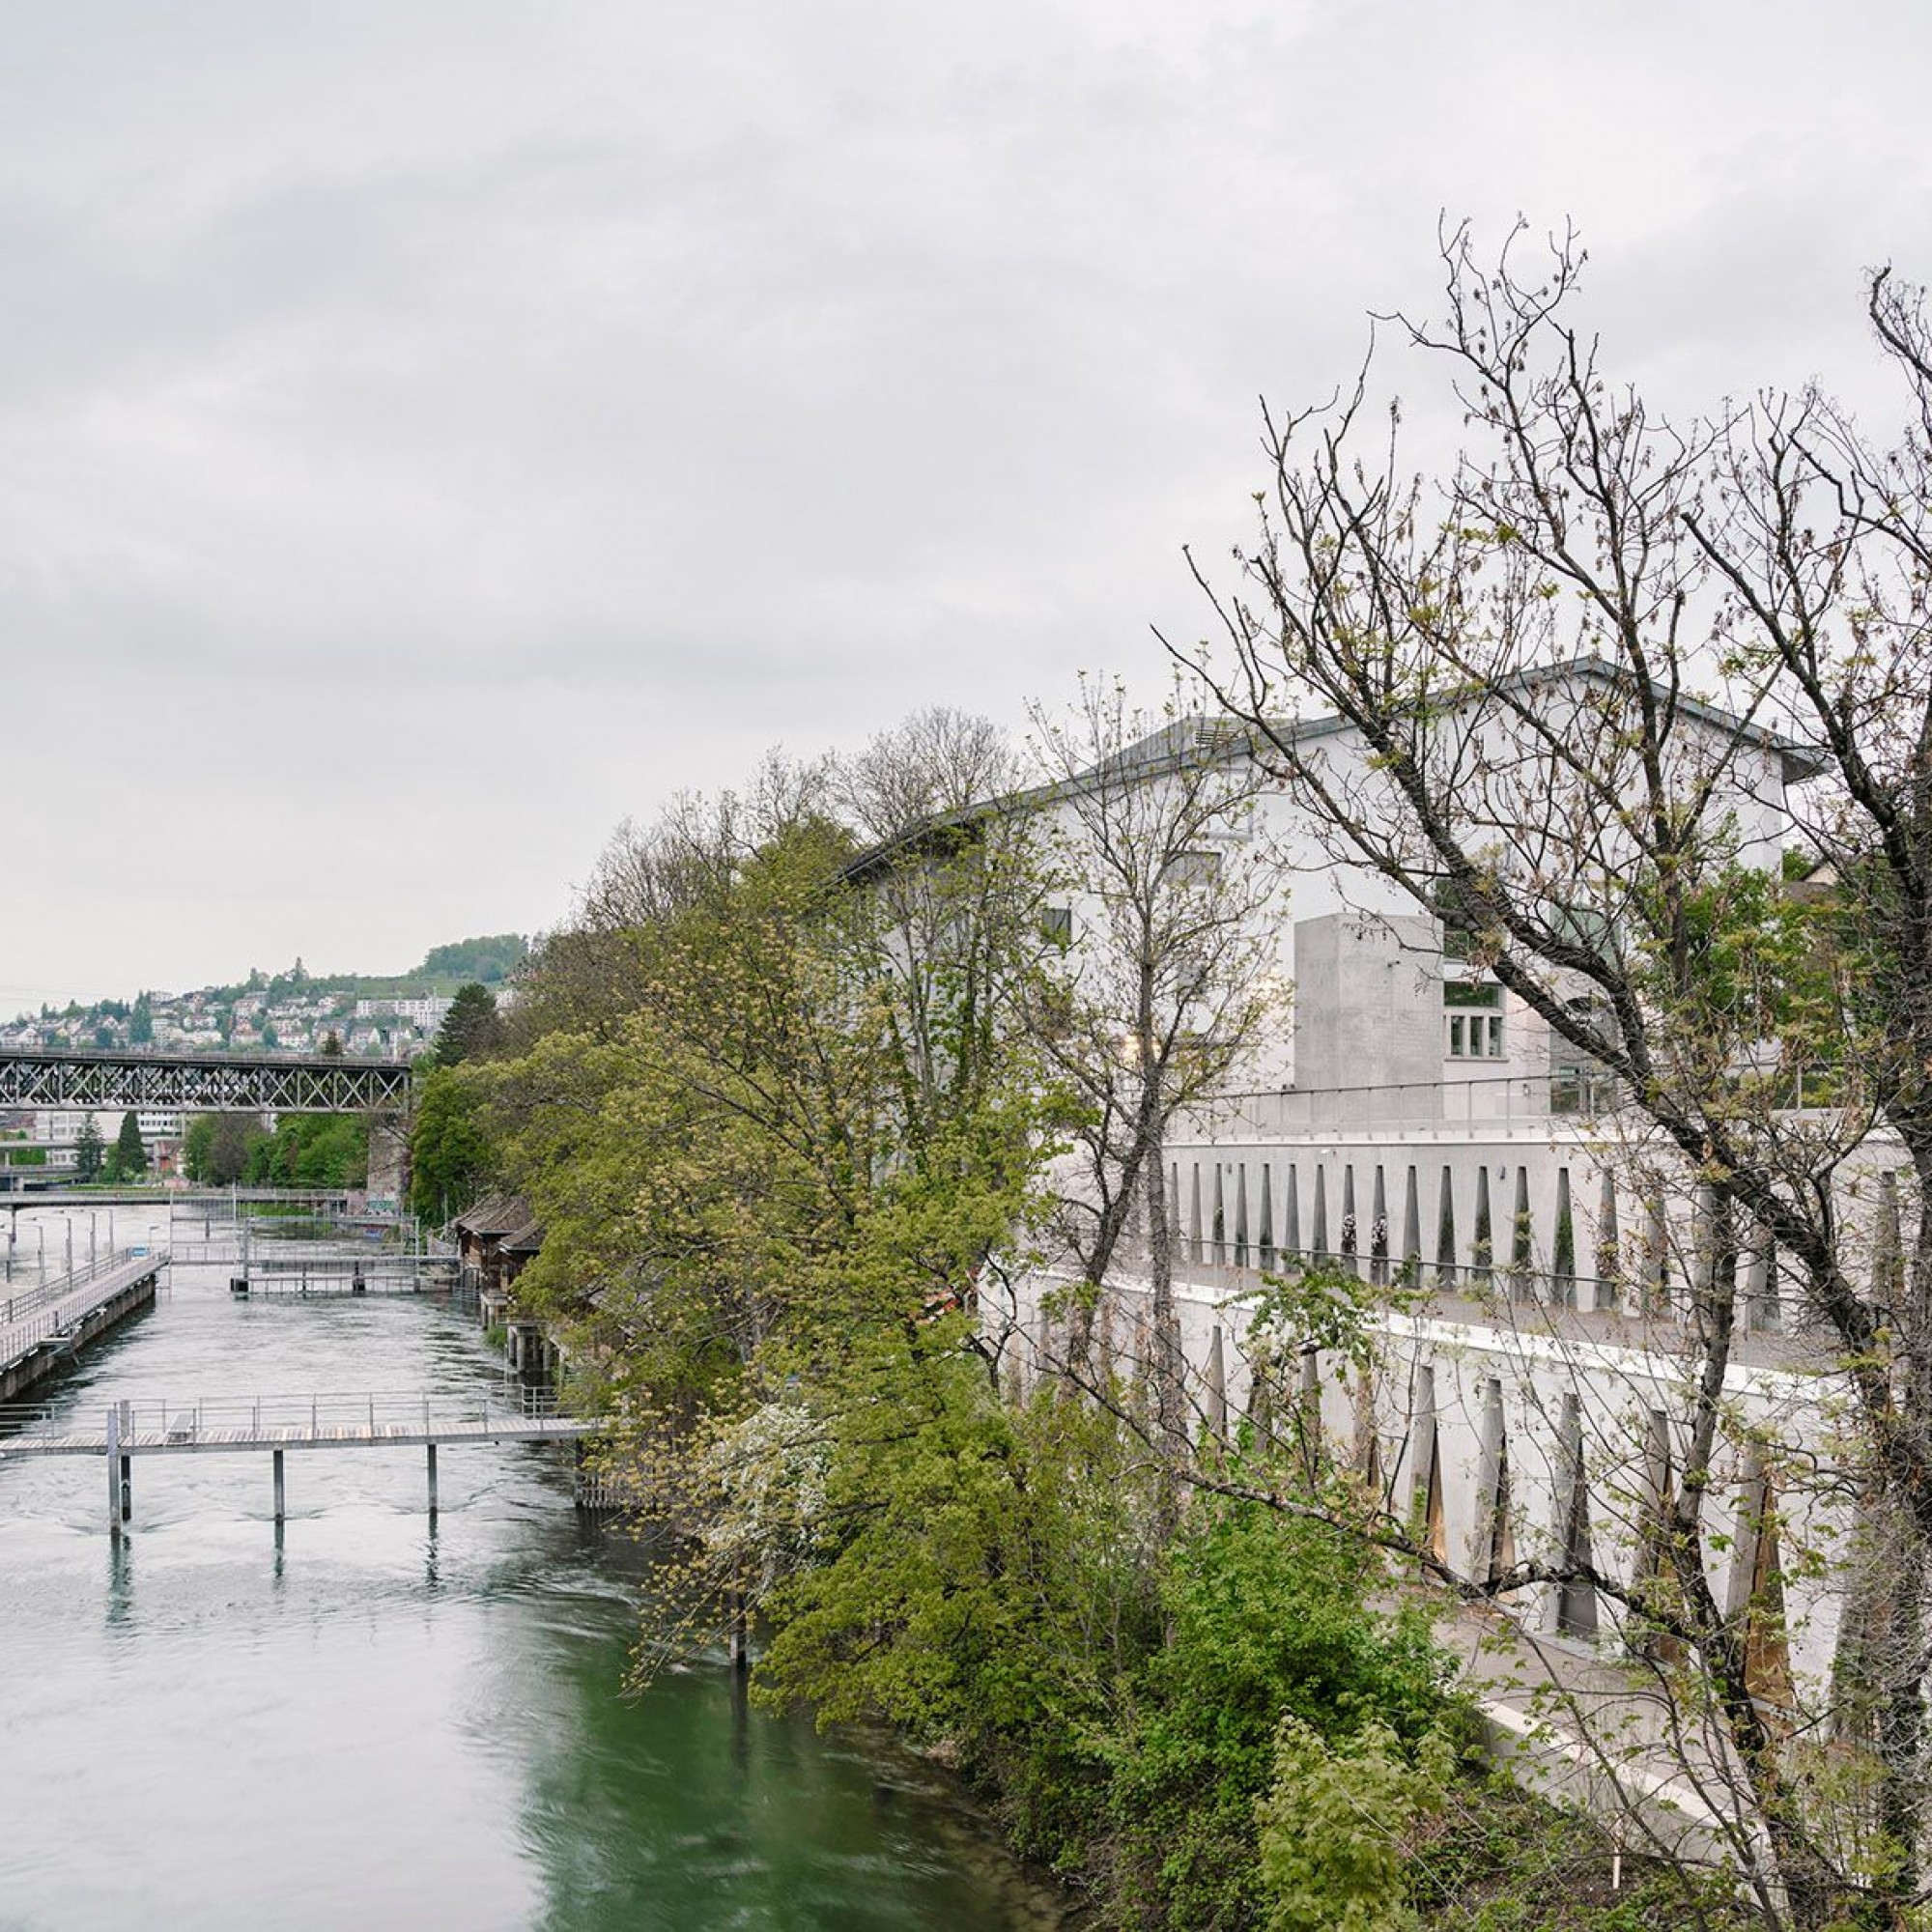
[[281, 1488]]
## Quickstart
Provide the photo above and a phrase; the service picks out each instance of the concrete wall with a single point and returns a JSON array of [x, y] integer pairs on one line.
[[1494, 1420], [1368, 1001]]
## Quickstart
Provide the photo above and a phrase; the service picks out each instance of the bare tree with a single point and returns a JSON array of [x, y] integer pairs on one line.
[[1168, 900], [1577, 674]]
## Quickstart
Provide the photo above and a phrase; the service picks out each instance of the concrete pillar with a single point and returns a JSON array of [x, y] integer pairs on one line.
[[1217, 1386], [1609, 1257], [1485, 1243], [1378, 1230], [1888, 1242], [123, 1464], [114, 1470], [1267, 1218], [1411, 1230], [1291, 1216], [1311, 1405], [1522, 1245], [1563, 1246], [1242, 1255], [282, 1488], [1489, 1533], [388, 1158], [1761, 1310]]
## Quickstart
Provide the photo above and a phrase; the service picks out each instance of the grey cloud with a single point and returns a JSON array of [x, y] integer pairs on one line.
[[530, 412]]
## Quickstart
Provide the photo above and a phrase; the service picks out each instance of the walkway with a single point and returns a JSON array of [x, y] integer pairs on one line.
[[53, 1311], [237, 1424]]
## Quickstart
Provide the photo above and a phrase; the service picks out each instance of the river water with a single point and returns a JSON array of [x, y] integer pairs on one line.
[[364, 1722]]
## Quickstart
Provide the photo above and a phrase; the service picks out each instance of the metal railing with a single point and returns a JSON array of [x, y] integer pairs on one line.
[[1501, 1101], [65, 1286], [317, 1416]]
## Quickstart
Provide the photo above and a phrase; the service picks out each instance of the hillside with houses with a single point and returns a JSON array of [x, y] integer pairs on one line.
[[387, 1017]]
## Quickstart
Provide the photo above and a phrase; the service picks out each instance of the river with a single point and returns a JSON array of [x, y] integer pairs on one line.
[[367, 1721]]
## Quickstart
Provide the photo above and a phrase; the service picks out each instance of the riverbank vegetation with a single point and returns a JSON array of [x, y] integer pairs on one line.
[[787, 1110], [303, 1150]]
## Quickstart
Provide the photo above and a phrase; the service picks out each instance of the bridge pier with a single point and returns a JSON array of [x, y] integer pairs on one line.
[[388, 1158], [120, 1469]]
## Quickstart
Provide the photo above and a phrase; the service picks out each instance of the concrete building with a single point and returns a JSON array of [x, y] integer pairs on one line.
[[1414, 1123]]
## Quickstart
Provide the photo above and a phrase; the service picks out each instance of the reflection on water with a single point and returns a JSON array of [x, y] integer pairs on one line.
[[361, 1719]]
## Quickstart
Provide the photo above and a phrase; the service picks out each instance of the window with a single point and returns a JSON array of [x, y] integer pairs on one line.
[[1192, 872], [1056, 924], [1473, 1011]]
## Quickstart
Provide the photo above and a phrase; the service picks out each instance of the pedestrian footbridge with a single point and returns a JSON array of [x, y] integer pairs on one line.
[[241, 1425]]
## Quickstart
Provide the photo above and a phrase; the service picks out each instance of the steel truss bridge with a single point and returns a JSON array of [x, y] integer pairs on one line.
[[211, 1083]]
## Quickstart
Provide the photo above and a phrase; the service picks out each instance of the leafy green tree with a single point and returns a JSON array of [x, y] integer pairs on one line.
[[981, 1575], [90, 1150], [215, 1149], [471, 1029], [450, 1154], [310, 1150], [1266, 1620], [331, 1044], [1336, 1825], [141, 1023], [198, 1146]]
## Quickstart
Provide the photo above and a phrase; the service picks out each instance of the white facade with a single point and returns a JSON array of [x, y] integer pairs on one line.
[[1417, 1124]]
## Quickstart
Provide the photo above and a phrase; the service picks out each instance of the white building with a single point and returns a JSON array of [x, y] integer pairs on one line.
[[1415, 1123], [427, 1013]]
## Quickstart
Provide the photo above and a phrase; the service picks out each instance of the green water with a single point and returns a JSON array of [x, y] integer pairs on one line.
[[365, 1721]]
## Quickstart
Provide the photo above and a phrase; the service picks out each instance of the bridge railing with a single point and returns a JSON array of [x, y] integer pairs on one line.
[[19, 1417], [63, 1288], [188, 1419]]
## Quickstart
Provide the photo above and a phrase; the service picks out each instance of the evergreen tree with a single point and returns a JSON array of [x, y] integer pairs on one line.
[[471, 1029], [129, 1157], [90, 1150]]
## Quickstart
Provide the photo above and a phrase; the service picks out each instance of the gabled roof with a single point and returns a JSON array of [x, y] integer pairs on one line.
[[495, 1215], [1200, 737]]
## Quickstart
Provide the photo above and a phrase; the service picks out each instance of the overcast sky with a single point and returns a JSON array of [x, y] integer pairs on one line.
[[430, 433]]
